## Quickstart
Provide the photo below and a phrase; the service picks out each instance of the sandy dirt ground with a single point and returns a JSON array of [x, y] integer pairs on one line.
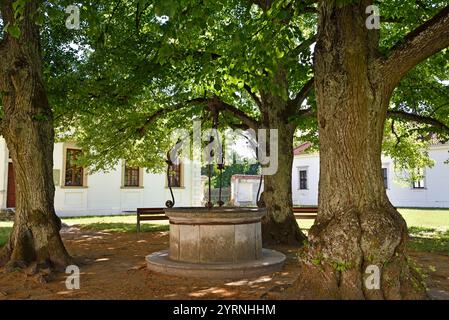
[[113, 267]]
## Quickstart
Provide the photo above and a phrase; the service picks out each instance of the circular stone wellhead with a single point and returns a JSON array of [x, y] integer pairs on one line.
[[216, 243]]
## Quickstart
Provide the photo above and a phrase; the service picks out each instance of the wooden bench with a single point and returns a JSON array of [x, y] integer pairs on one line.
[[150, 214], [311, 212]]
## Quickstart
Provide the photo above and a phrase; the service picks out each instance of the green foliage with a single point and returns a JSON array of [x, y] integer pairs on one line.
[[342, 266], [420, 92], [139, 63], [14, 31], [424, 93], [408, 149], [316, 261], [246, 167], [132, 59], [18, 7]]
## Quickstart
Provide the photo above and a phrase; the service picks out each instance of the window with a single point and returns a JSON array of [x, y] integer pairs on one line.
[[303, 179], [385, 177], [175, 175], [419, 184], [132, 176], [74, 174]]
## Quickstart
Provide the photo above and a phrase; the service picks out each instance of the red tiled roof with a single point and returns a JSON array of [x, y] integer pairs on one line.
[[301, 148]]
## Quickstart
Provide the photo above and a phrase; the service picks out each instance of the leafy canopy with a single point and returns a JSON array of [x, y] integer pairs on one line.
[[133, 59]]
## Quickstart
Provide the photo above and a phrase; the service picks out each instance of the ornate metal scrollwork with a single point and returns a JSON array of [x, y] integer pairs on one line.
[[169, 203]]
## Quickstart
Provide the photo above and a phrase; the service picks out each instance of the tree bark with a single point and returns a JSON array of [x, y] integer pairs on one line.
[[356, 225], [27, 127], [279, 226]]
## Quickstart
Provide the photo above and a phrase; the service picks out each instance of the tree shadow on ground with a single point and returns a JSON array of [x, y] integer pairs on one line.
[[429, 240]]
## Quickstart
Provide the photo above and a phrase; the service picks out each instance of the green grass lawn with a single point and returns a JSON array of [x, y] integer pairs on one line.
[[120, 223], [426, 218], [128, 219], [429, 240], [429, 228], [437, 219], [125, 223], [4, 233]]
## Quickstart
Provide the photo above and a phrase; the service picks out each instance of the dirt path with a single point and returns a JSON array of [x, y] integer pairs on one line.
[[113, 267]]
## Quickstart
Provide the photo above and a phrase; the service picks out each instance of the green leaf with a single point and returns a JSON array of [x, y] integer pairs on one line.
[[14, 31], [18, 7]]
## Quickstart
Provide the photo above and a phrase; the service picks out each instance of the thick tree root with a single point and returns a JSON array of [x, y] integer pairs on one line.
[[33, 254], [286, 232], [322, 281], [359, 255]]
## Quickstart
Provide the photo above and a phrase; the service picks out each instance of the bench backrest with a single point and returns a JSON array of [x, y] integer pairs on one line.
[[141, 211]]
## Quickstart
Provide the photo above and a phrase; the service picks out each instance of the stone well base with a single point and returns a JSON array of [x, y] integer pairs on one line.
[[271, 261]]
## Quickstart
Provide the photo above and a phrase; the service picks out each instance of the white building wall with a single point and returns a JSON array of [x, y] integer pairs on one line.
[[436, 182], [104, 194], [401, 194], [244, 191], [4, 157], [311, 163]]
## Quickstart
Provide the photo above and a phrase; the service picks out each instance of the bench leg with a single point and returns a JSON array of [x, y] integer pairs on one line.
[[138, 225]]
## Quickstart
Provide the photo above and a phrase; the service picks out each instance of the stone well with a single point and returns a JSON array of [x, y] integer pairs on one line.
[[215, 243]]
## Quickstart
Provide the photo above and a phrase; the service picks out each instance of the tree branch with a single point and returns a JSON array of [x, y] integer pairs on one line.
[[108, 23], [234, 125], [307, 113], [253, 95], [398, 138], [242, 116], [161, 112], [412, 117], [295, 103], [306, 43], [239, 114], [420, 4], [426, 40]]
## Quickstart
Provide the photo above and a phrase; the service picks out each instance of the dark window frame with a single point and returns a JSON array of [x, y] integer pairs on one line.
[[420, 184], [74, 174], [303, 180], [175, 175], [131, 177]]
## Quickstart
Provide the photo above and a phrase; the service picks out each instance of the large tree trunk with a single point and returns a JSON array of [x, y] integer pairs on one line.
[[27, 127], [279, 226], [356, 225]]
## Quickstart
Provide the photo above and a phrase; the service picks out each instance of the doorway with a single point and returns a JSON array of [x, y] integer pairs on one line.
[[11, 194]]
